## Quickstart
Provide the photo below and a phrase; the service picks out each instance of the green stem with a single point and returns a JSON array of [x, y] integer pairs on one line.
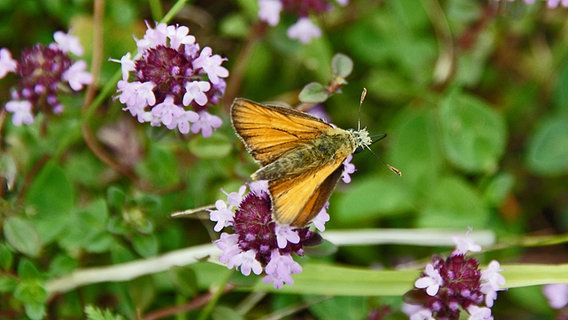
[[173, 11], [156, 9]]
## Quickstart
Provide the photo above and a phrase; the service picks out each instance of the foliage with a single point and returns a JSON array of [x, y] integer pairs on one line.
[[472, 94]]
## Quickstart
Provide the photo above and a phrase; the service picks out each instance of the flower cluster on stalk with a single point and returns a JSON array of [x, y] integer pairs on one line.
[[448, 286], [304, 29], [172, 82], [258, 244], [44, 73]]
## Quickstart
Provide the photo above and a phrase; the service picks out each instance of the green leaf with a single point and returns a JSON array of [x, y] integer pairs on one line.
[[524, 275], [414, 148], [87, 228], [35, 310], [8, 170], [185, 281], [6, 256], [370, 199], [160, 167], [99, 243], [498, 188], [452, 203], [547, 153], [31, 292], [217, 146], [473, 134], [142, 291], [313, 93], [22, 235], [341, 308], [561, 91], [115, 198], [62, 264], [94, 313], [27, 270], [145, 244], [7, 283], [341, 65], [347, 281], [121, 254], [52, 197], [531, 298], [389, 85], [234, 25]]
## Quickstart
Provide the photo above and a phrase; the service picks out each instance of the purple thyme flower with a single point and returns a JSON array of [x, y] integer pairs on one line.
[[7, 64], [431, 280], [348, 169], [304, 29], [448, 285], [465, 244], [555, 3], [174, 82], [22, 111], [258, 244], [44, 73], [492, 281], [557, 294]]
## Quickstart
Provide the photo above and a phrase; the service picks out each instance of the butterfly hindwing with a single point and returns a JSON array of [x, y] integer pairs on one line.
[[298, 200], [270, 131]]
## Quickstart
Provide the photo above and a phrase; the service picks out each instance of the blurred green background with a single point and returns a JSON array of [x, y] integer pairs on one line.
[[472, 94]]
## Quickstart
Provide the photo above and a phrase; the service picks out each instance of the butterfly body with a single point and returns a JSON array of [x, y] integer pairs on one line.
[[300, 155], [310, 155]]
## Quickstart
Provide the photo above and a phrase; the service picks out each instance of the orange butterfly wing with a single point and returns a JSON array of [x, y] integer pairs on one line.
[[270, 131], [298, 200]]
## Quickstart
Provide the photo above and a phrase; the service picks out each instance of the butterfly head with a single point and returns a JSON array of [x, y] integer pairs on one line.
[[362, 138]]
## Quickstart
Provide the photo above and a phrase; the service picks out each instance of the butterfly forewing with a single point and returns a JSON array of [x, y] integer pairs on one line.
[[270, 131]]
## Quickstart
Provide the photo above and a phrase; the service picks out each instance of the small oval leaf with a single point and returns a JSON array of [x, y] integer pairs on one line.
[[22, 235], [473, 134], [341, 65], [313, 93], [547, 154]]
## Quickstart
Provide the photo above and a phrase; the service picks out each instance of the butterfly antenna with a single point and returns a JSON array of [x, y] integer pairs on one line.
[[391, 168], [363, 95]]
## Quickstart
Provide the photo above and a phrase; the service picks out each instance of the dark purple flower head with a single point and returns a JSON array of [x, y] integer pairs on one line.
[[448, 286], [172, 81], [302, 8], [44, 73], [258, 243]]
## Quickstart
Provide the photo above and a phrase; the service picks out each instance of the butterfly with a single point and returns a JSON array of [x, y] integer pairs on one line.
[[300, 155]]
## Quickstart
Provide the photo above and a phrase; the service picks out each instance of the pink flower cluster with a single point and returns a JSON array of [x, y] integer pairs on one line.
[[257, 243], [172, 81], [449, 285], [44, 72]]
